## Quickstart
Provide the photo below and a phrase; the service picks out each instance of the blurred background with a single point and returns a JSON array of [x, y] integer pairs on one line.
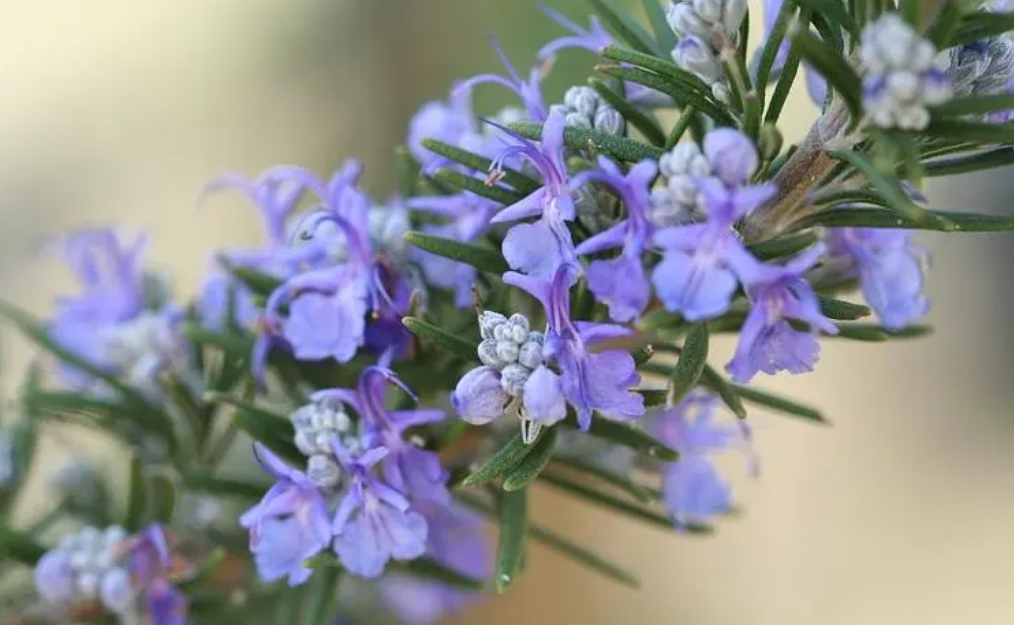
[[120, 111]]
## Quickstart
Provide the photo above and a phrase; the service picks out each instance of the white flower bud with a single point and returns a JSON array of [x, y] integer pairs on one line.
[[685, 158], [685, 21], [88, 585], [89, 536], [513, 378], [80, 559], [517, 330], [324, 470], [583, 100], [306, 441], [114, 535], [531, 354], [488, 353], [697, 57], [488, 322], [608, 120], [322, 442], [507, 351], [577, 120], [117, 593]]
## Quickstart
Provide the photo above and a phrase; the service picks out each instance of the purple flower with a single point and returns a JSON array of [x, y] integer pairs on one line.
[[213, 303], [541, 247], [274, 193], [413, 471], [621, 282], [289, 525], [150, 565], [691, 487], [165, 604], [450, 122], [456, 541], [529, 91], [732, 155], [55, 579], [479, 397], [373, 523], [594, 38], [889, 268], [599, 381], [767, 341], [697, 275], [470, 215]]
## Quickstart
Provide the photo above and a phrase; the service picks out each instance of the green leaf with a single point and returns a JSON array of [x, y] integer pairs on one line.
[[788, 75], [320, 602], [451, 342], [683, 93], [788, 245], [692, 361], [19, 546], [981, 25], [163, 497], [634, 116], [137, 496], [626, 435], [773, 43], [664, 35], [620, 148], [882, 218], [430, 569], [653, 396], [513, 528], [973, 105], [583, 555], [841, 310], [713, 380], [659, 318], [643, 355], [272, 430], [205, 571], [830, 64], [970, 131], [482, 258], [531, 465], [661, 67], [876, 334], [835, 13], [999, 157], [617, 18], [230, 343], [639, 492], [142, 411], [762, 398], [516, 180], [945, 24], [213, 485], [892, 193], [504, 460], [260, 283], [406, 171], [687, 116], [461, 182]]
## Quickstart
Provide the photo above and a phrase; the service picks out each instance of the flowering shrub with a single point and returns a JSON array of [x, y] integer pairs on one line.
[[534, 305]]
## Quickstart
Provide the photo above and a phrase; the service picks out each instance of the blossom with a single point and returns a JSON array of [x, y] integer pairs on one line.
[[594, 38], [54, 578], [583, 107], [451, 122], [692, 489], [149, 563], [541, 247], [289, 525], [622, 282], [698, 273], [767, 341], [889, 268], [599, 381], [529, 90], [373, 522]]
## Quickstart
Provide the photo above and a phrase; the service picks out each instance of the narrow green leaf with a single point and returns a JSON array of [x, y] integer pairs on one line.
[[461, 182], [638, 119], [19, 546], [713, 380], [664, 35], [430, 569], [653, 397], [882, 218], [973, 105], [983, 133], [513, 528], [774, 41], [643, 355], [620, 22], [945, 24], [637, 491], [583, 555], [841, 310], [620, 148], [682, 93], [627, 435], [207, 569], [516, 180], [531, 465], [482, 258], [137, 496], [788, 76], [851, 196], [231, 343], [406, 171], [223, 486], [762, 398], [835, 13], [429, 332], [830, 64], [272, 430], [892, 193], [876, 334], [788, 245], [258, 282], [981, 25], [692, 361], [999, 157], [162, 497], [636, 511], [661, 67], [504, 460], [320, 602], [659, 318], [687, 116]]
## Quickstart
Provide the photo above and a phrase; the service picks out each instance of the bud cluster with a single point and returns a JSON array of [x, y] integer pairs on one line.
[[87, 567], [678, 200], [315, 424], [901, 79], [510, 347], [584, 108], [706, 28]]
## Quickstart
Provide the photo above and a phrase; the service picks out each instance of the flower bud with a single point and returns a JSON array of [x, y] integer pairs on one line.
[[583, 100], [488, 353], [488, 322], [507, 351], [608, 120], [116, 591], [479, 397], [697, 57], [732, 155], [324, 470], [513, 378], [531, 354], [54, 578], [577, 120]]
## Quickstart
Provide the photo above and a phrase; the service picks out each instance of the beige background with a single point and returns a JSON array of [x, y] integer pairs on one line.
[[117, 110]]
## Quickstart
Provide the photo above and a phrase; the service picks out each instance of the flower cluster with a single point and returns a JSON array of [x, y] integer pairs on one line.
[[129, 576]]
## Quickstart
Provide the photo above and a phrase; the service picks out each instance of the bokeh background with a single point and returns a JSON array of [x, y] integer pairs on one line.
[[900, 513]]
